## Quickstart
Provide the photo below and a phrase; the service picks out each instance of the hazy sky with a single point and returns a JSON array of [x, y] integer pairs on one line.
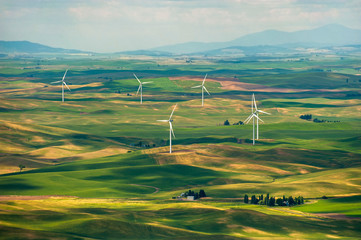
[[118, 25]]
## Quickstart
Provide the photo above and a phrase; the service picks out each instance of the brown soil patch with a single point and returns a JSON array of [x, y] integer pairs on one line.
[[51, 153], [338, 216], [235, 84], [109, 151], [17, 197], [38, 139], [259, 168]]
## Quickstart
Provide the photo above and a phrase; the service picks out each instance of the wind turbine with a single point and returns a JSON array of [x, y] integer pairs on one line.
[[203, 88], [255, 117], [170, 120], [140, 88], [62, 85]]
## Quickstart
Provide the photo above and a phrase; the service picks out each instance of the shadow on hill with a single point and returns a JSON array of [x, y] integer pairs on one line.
[[187, 141], [269, 104], [319, 158], [164, 176], [15, 184], [354, 142]]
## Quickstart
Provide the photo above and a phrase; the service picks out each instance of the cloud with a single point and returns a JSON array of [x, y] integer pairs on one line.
[[115, 25]]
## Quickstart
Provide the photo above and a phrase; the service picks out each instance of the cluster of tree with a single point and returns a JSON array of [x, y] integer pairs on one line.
[[226, 123], [307, 117], [141, 144], [322, 121], [272, 201], [196, 195]]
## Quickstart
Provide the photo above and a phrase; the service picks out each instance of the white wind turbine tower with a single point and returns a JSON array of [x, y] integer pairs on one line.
[[203, 88], [170, 120], [140, 88], [62, 85], [255, 117]]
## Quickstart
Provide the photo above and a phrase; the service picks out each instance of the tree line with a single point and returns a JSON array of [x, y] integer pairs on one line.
[[272, 201], [196, 195], [308, 117], [227, 123]]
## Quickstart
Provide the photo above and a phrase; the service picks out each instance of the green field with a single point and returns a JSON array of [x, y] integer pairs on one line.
[[98, 165]]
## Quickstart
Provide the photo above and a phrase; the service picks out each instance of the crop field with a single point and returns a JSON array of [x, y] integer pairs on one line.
[[98, 165]]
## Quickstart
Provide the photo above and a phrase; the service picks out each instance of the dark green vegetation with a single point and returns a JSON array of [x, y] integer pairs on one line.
[[109, 152]]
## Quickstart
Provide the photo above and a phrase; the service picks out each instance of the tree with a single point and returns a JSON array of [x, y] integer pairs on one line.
[[226, 123], [238, 123], [254, 200], [245, 198], [272, 202], [266, 200], [279, 202], [21, 166], [196, 195], [202, 193], [306, 117], [291, 201]]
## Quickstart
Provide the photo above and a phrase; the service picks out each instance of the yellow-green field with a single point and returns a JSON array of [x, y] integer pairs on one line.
[[98, 165]]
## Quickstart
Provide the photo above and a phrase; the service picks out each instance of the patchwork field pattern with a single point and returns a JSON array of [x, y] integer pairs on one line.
[[98, 165]]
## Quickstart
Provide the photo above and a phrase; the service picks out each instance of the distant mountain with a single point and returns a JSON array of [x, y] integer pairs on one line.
[[241, 51], [146, 53], [329, 35], [30, 47], [269, 41]]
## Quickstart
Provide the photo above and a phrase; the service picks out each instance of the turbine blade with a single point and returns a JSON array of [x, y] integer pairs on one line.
[[172, 112], [137, 78], [57, 81], [66, 86], [146, 82], [171, 128], [254, 101], [140, 85], [197, 86], [248, 119], [206, 90], [257, 117], [204, 79], [64, 75], [264, 112], [163, 120]]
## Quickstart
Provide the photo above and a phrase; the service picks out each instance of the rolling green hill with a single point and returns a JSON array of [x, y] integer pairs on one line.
[[98, 165]]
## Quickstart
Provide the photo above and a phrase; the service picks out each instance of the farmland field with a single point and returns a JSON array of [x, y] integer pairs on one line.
[[98, 165]]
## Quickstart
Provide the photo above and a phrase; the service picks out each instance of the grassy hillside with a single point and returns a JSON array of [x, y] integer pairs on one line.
[[109, 153], [113, 219]]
